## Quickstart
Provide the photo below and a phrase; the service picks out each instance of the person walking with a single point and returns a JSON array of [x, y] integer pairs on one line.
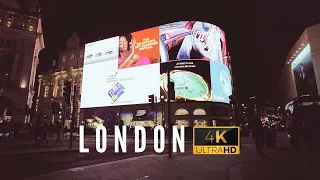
[[59, 128], [256, 127], [44, 131]]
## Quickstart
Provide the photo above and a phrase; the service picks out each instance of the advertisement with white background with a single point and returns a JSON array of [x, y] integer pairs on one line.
[[120, 87], [101, 55]]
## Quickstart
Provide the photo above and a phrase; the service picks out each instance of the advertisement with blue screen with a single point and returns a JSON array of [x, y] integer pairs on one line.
[[220, 82]]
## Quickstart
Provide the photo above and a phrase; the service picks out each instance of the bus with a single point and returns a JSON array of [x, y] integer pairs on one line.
[[302, 116]]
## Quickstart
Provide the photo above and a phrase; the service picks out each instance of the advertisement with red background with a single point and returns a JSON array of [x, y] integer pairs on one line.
[[139, 48]]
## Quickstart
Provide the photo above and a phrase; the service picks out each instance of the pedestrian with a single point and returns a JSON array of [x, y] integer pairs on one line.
[[44, 131], [59, 128], [256, 127], [121, 124]]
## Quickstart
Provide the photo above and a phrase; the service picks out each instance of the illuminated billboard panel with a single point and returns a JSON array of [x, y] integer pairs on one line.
[[139, 48], [120, 87], [220, 82], [303, 71], [124, 70], [191, 80], [193, 40]]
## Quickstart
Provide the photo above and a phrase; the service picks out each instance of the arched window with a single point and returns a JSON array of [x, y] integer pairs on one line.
[[46, 91], [181, 112], [199, 112]]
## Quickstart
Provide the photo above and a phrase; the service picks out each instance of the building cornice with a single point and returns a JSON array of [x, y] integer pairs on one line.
[[19, 32]]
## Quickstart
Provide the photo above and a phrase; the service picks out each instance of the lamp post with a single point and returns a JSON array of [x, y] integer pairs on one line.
[[235, 108], [170, 94]]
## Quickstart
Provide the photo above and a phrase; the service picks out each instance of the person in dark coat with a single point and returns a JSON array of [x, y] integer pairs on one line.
[[256, 127]]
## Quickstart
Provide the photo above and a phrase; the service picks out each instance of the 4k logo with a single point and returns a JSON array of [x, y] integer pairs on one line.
[[219, 136], [216, 140]]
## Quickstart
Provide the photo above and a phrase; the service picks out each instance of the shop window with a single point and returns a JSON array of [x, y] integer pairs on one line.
[[200, 123], [46, 91], [180, 123]]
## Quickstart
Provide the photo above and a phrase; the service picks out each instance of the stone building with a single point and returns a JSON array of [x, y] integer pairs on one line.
[[51, 84], [21, 40]]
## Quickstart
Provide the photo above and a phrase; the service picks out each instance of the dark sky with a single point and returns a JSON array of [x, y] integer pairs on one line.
[[259, 33]]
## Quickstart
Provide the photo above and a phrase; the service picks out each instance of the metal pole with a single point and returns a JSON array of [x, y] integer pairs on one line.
[[162, 104], [155, 111], [169, 114], [73, 114]]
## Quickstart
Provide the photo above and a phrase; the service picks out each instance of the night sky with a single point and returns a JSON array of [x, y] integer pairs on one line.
[[259, 34]]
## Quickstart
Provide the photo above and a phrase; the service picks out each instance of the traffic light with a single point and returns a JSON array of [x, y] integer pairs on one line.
[[172, 94], [151, 98], [67, 91]]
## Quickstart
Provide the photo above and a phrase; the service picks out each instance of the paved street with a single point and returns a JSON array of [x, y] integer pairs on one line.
[[27, 160], [18, 147], [282, 163]]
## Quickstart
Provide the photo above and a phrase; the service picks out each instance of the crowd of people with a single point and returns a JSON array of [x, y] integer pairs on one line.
[[39, 131]]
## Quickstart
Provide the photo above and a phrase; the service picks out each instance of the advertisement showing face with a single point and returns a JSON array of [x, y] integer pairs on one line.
[[120, 87], [303, 71], [220, 82], [191, 80], [139, 48], [193, 40]]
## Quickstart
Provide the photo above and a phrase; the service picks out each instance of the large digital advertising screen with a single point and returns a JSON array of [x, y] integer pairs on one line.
[[126, 69], [304, 75], [220, 82], [120, 87], [191, 79], [193, 40]]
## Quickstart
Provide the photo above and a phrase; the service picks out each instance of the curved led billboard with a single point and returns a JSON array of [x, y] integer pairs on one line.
[[127, 69]]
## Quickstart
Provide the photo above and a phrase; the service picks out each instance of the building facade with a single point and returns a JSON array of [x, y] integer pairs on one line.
[[301, 72], [51, 84], [21, 40]]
